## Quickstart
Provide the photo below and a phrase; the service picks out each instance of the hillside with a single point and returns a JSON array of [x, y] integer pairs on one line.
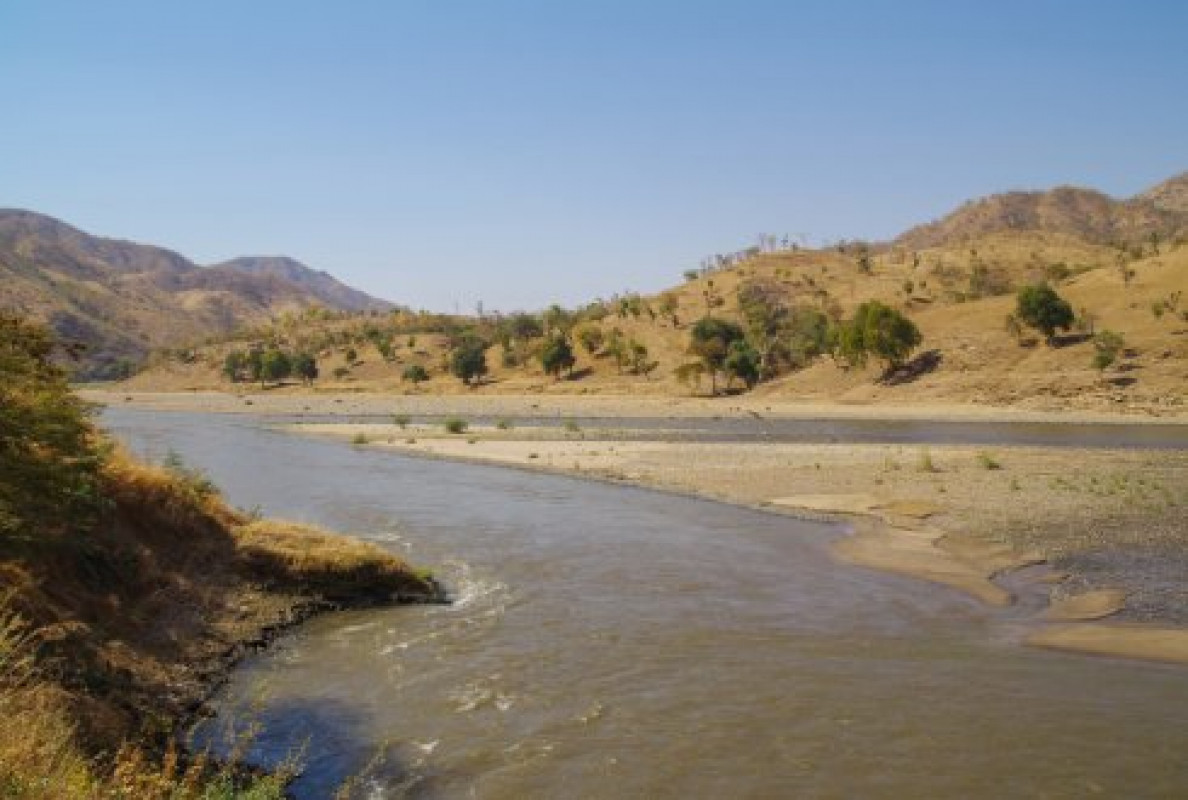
[[1086, 214], [320, 284], [122, 299], [959, 292]]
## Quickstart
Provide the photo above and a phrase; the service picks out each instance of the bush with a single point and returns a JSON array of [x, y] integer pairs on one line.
[[1107, 345], [455, 425], [414, 374]]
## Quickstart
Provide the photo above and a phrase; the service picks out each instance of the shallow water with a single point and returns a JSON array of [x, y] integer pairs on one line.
[[616, 642]]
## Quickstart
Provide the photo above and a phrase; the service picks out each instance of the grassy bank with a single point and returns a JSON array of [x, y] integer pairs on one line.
[[109, 640], [129, 591]]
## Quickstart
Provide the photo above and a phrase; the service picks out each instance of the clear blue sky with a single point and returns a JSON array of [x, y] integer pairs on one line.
[[447, 151]]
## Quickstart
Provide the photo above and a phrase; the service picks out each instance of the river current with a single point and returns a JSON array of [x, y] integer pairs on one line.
[[613, 642]]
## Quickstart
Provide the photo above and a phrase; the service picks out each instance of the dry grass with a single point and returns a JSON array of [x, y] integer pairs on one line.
[[121, 630], [312, 560]]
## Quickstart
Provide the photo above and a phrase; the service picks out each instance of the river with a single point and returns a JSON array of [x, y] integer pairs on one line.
[[611, 642]]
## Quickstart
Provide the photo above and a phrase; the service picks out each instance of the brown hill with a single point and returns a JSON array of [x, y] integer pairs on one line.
[[122, 299], [1084, 213], [322, 285], [1171, 195]]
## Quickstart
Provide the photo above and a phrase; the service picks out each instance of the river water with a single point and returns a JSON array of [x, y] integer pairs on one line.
[[611, 642]]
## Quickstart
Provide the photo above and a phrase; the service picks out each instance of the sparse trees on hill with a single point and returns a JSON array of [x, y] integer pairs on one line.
[[1039, 306]]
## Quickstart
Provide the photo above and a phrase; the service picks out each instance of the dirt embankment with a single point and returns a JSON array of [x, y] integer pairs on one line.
[[137, 621]]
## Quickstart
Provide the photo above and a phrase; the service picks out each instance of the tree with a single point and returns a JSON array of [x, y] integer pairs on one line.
[[767, 316], [50, 459], [305, 367], [710, 341], [742, 362], [468, 361], [878, 330], [1039, 306], [275, 365], [414, 374], [555, 355], [234, 365]]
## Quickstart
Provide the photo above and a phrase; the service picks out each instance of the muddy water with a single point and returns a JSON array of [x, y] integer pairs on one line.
[[614, 642]]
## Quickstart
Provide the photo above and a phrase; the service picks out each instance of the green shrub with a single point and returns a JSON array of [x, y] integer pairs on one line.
[[455, 425]]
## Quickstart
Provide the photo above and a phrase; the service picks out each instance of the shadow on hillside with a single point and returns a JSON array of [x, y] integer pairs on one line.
[[1070, 339], [578, 374], [922, 364]]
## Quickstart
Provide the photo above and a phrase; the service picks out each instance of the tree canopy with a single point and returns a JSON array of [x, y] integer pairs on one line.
[[1040, 307], [49, 454]]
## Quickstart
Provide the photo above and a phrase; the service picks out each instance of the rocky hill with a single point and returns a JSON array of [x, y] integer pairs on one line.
[[1083, 213], [322, 285], [122, 299]]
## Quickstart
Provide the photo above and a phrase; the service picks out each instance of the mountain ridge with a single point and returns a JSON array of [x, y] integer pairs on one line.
[[122, 299]]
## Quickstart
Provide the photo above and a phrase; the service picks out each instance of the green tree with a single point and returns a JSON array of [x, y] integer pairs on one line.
[[710, 341], [877, 330], [742, 362], [275, 366], [468, 361], [50, 459], [1039, 306], [414, 374], [305, 367], [555, 355], [234, 365]]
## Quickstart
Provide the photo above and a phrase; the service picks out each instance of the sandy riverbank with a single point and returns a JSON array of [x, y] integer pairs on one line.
[[291, 401], [1109, 524]]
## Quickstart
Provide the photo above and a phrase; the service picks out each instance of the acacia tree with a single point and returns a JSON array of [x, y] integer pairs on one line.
[[710, 341], [275, 366], [1040, 307]]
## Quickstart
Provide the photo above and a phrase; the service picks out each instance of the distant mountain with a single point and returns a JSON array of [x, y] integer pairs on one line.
[[322, 285], [1083, 213], [1171, 195], [122, 299]]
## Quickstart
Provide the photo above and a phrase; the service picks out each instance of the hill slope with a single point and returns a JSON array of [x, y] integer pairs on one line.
[[122, 299], [322, 285], [1084, 213]]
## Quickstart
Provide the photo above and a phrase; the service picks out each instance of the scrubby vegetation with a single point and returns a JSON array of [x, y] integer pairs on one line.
[[128, 588]]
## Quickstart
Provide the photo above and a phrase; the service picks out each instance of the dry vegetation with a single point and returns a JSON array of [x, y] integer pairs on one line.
[[960, 295], [129, 591]]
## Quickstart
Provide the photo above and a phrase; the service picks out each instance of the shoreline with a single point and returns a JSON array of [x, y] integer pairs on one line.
[[925, 524], [894, 536], [283, 401]]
